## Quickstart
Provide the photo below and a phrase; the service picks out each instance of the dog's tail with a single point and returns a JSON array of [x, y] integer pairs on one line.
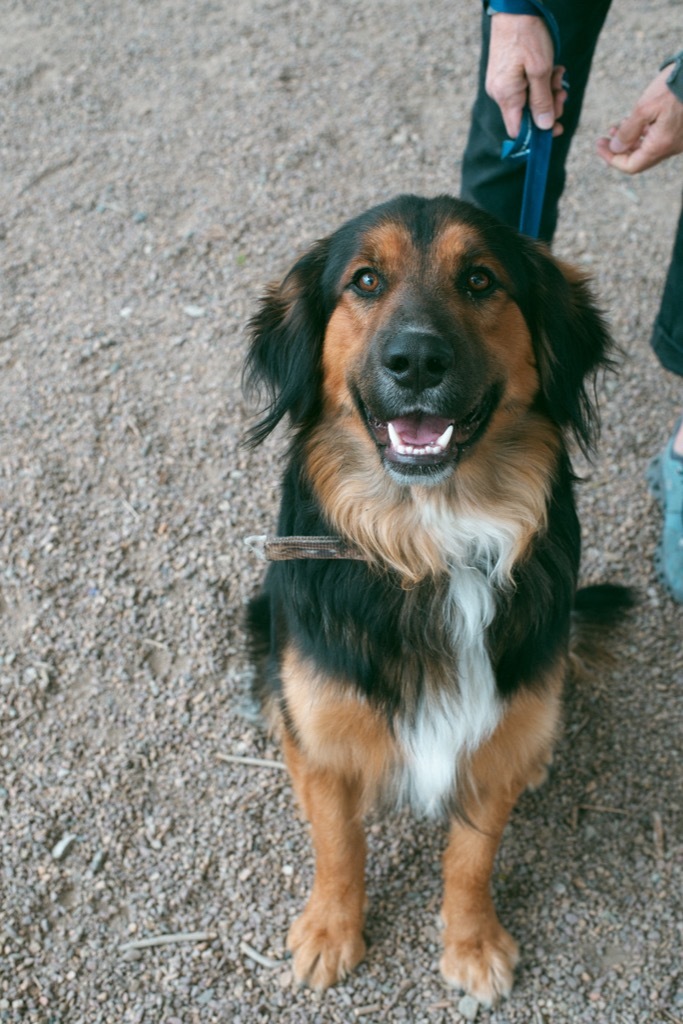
[[597, 608]]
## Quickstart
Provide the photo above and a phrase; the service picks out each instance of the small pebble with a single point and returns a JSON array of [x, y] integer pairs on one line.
[[468, 1007], [98, 861], [62, 848]]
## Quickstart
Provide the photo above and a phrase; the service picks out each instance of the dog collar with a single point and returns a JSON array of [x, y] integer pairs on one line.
[[284, 549]]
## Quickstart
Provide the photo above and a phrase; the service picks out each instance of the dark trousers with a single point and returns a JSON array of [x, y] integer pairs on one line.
[[497, 185], [667, 336]]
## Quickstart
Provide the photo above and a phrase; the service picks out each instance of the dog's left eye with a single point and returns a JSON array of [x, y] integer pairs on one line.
[[479, 281], [367, 281]]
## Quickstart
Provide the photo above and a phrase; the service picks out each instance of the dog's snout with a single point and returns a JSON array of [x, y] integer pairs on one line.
[[417, 359]]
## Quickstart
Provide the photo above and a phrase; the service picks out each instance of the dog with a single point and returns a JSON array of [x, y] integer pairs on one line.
[[433, 365]]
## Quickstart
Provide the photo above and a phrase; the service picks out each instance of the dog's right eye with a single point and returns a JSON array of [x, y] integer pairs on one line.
[[367, 281]]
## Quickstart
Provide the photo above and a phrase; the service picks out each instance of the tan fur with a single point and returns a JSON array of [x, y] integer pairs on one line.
[[388, 244], [390, 523], [454, 243], [353, 322], [336, 730], [342, 755], [326, 940], [479, 955]]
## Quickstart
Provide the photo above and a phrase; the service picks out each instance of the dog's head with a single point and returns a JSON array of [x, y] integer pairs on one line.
[[425, 322]]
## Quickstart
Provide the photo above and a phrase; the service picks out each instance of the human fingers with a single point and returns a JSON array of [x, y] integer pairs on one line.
[[560, 95], [541, 100], [651, 133], [650, 149], [627, 134]]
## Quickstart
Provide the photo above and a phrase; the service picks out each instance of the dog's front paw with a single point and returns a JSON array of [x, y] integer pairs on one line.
[[325, 945], [482, 965]]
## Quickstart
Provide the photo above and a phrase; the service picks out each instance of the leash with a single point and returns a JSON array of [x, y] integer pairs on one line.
[[533, 144]]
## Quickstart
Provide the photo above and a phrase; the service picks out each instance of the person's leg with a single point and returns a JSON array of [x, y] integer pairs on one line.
[[667, 335], [666, 470], [497, 185]]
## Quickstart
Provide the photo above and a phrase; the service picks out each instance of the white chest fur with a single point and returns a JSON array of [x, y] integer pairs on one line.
[[452, 721]]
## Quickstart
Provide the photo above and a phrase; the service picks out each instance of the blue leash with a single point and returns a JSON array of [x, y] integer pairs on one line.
[[533, 145]]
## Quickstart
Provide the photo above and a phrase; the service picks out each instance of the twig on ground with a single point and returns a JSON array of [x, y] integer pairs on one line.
[[48, 171], [658, 835], [601, 809], [168, 939], [253, 954], [5, 730], [126, 504], [580, 727], [255, 762], [398, 994]]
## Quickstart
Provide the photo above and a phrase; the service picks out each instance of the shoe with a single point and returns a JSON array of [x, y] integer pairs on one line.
[[665, 479]]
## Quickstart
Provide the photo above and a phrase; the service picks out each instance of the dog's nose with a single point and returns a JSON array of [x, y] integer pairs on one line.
[[416, 359]]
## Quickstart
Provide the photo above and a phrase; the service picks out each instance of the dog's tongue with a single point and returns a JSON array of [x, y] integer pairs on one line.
[[420, 430]]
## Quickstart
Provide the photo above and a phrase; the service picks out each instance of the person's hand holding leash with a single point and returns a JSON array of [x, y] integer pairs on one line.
[[521, 71]]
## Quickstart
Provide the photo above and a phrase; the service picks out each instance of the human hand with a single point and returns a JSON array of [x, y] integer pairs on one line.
[[521, 70], [652, 132]]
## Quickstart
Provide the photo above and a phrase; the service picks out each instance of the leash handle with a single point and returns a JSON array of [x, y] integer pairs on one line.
[[533, 145]]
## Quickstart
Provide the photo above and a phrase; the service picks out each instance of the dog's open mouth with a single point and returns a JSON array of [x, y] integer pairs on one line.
[[422, 439]]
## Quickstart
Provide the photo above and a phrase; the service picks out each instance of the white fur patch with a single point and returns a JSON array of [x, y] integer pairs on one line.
[[451, 723]]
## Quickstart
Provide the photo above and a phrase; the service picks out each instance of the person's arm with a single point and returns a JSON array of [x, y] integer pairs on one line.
[[521, 70], [653, 131]]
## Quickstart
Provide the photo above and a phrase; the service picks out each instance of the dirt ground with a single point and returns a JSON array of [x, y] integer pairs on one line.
[[161, 163]]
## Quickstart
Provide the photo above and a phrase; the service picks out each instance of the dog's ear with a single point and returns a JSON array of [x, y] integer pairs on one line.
[[285, 352], [571, 342]]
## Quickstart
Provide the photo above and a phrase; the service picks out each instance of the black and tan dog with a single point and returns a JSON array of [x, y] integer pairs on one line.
[[431, 362]]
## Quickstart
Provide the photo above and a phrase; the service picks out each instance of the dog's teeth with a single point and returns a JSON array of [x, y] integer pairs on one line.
[[435, 448], [445, 437], [393, 437]]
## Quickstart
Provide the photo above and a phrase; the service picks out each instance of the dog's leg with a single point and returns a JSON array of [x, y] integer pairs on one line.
[[479, 955], [327, 940]]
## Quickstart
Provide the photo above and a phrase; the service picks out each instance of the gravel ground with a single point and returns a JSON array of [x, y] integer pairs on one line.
[[161, 163]]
